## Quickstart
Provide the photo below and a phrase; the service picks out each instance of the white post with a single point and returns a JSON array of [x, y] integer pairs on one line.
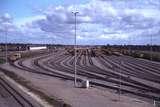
[[154, 103]]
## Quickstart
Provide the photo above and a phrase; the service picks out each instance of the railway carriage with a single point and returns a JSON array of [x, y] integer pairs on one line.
[[13, 57]]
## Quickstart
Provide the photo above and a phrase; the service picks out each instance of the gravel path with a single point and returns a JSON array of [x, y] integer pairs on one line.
[[3, 102]]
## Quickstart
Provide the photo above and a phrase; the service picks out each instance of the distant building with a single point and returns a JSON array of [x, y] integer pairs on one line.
[[37, 47]]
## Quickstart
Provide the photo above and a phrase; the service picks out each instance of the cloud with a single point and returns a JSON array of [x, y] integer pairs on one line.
[[5, 22], [103, 20]]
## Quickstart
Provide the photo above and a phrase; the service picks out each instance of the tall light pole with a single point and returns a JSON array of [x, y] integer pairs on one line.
[[6, 47], [53, 45], [120, 85], [151, 57], [129, 44], [6, 25], [75, 49], [120, 79]]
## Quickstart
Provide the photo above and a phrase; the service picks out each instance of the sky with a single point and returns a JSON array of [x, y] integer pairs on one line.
[[98, 21]]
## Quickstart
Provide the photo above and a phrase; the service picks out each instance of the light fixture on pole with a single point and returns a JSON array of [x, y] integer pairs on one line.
[[75, 50]]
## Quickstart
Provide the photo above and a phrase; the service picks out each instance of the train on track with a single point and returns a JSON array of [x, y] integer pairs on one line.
[[14, 56]]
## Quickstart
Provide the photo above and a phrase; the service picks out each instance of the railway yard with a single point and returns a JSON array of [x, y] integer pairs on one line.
[[115, 80]]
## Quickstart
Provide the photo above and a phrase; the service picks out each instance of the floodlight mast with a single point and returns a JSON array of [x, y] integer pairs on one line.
[[75, 49], [151, 49], [6, 47]]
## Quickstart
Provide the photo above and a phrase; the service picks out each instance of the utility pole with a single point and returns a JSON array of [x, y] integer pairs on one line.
[[75, 49], [151, 58], [151, 49], [52, 48], [129, 46], [6, 47], [120, 79]]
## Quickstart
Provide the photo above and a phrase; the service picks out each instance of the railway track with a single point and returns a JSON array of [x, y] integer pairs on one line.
[[14, 96], [61, 66]]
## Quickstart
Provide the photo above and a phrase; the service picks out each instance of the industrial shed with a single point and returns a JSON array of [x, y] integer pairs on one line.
[[37, 47]]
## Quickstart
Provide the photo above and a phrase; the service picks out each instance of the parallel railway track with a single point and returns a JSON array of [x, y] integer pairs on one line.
[[61, 66], [20, 100]]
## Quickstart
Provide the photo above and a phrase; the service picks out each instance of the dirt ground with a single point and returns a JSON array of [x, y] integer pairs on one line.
[[77, 97]]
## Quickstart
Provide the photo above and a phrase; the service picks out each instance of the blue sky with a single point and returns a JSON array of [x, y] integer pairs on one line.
[[99, 21], [25, 8]]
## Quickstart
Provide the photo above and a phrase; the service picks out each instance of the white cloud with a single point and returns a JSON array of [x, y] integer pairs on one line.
[[114, 36], [28, 20], [112, 20]]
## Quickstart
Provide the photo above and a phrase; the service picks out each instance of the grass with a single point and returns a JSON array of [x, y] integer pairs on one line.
[[50, 99], [2, 61]]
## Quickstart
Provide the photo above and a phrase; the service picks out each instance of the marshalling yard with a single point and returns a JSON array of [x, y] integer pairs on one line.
[[45, 78]]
